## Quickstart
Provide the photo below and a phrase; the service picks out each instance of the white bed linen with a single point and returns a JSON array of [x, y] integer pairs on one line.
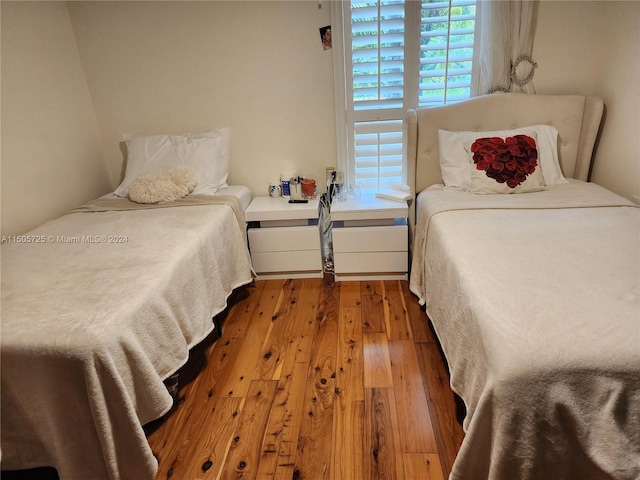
[[95, 317], [242, 193], [536, 301]]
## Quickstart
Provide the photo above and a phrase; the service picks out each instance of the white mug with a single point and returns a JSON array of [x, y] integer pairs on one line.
[[275, 190]]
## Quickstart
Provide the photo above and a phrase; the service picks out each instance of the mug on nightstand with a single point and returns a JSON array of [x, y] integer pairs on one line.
[[308, 187], [275, 190]]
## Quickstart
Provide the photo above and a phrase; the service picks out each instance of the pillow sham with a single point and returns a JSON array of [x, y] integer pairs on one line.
[[505, 165], [207, 153], [456, 168]]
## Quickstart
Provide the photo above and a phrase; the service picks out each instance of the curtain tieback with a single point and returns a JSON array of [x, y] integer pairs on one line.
[[522, 69]]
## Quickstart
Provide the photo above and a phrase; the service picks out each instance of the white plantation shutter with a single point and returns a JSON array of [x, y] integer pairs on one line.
[[376, 59], [446, 51], [396, 55], [377, 54], [378, 153]]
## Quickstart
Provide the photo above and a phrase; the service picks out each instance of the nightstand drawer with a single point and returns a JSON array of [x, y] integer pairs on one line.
[[370, 239], [371, 262], [295, 261], [284, 239]]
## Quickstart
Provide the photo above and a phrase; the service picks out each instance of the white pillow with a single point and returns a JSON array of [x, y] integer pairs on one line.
[[505, 165], [164, 187], [455, 164], [207, 153]]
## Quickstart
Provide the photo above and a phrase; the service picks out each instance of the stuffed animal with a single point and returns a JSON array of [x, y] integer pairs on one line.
[[163, 187]]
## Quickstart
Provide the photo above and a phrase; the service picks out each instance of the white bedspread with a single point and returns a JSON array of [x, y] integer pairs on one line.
[[536, 301], [96, 311]]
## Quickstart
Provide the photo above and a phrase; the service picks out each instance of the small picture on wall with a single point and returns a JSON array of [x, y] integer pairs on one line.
[[325, 36]]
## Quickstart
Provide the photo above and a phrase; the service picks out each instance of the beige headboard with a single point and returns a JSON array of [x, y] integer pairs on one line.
[[577, 119]]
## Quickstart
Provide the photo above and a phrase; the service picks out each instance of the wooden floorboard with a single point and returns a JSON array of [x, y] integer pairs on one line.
[[313, 379]]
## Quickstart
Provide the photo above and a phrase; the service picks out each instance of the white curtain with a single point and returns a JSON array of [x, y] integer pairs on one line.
[[505, 45]]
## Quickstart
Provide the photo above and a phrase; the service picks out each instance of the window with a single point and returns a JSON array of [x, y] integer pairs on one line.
[[396, 55]]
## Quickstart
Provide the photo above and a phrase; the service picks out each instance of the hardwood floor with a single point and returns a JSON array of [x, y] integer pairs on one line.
[[314, 380]]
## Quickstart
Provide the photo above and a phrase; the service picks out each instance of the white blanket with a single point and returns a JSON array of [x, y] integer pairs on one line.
[[536, 301], [97, 309]]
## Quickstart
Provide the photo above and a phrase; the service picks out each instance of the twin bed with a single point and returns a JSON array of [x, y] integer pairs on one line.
[[534, 296], [102, 305]]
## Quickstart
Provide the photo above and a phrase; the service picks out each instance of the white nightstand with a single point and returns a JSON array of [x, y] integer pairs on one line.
[[284, 238], [370, 238]]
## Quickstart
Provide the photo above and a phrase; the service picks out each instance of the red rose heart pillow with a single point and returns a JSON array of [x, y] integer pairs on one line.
[[505, 165], [456, 165]]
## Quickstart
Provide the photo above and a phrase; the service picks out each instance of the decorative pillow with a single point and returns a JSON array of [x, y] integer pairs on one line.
[[505, 165], [207, 153], [454, 159], [164, 187]]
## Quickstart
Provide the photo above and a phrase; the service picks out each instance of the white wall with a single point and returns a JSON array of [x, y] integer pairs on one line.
[[51, 155], [593, 48], [174, 67]]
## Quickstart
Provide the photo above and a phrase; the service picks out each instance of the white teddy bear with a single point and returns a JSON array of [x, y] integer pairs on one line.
[[164, 187]]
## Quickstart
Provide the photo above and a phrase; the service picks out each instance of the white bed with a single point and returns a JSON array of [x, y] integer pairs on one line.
[[535, 298], [99, 307]]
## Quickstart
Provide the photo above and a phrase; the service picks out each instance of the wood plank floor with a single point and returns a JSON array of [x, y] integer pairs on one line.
[[314, 380]]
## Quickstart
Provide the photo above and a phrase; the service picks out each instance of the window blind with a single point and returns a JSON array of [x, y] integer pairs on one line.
[[378, 153], [446, 51], [398, 55], [377, 47]]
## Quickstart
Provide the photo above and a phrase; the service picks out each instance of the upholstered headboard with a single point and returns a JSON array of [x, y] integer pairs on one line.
[[577, 119]]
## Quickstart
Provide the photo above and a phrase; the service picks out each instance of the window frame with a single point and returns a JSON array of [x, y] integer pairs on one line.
[[346, 115]]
